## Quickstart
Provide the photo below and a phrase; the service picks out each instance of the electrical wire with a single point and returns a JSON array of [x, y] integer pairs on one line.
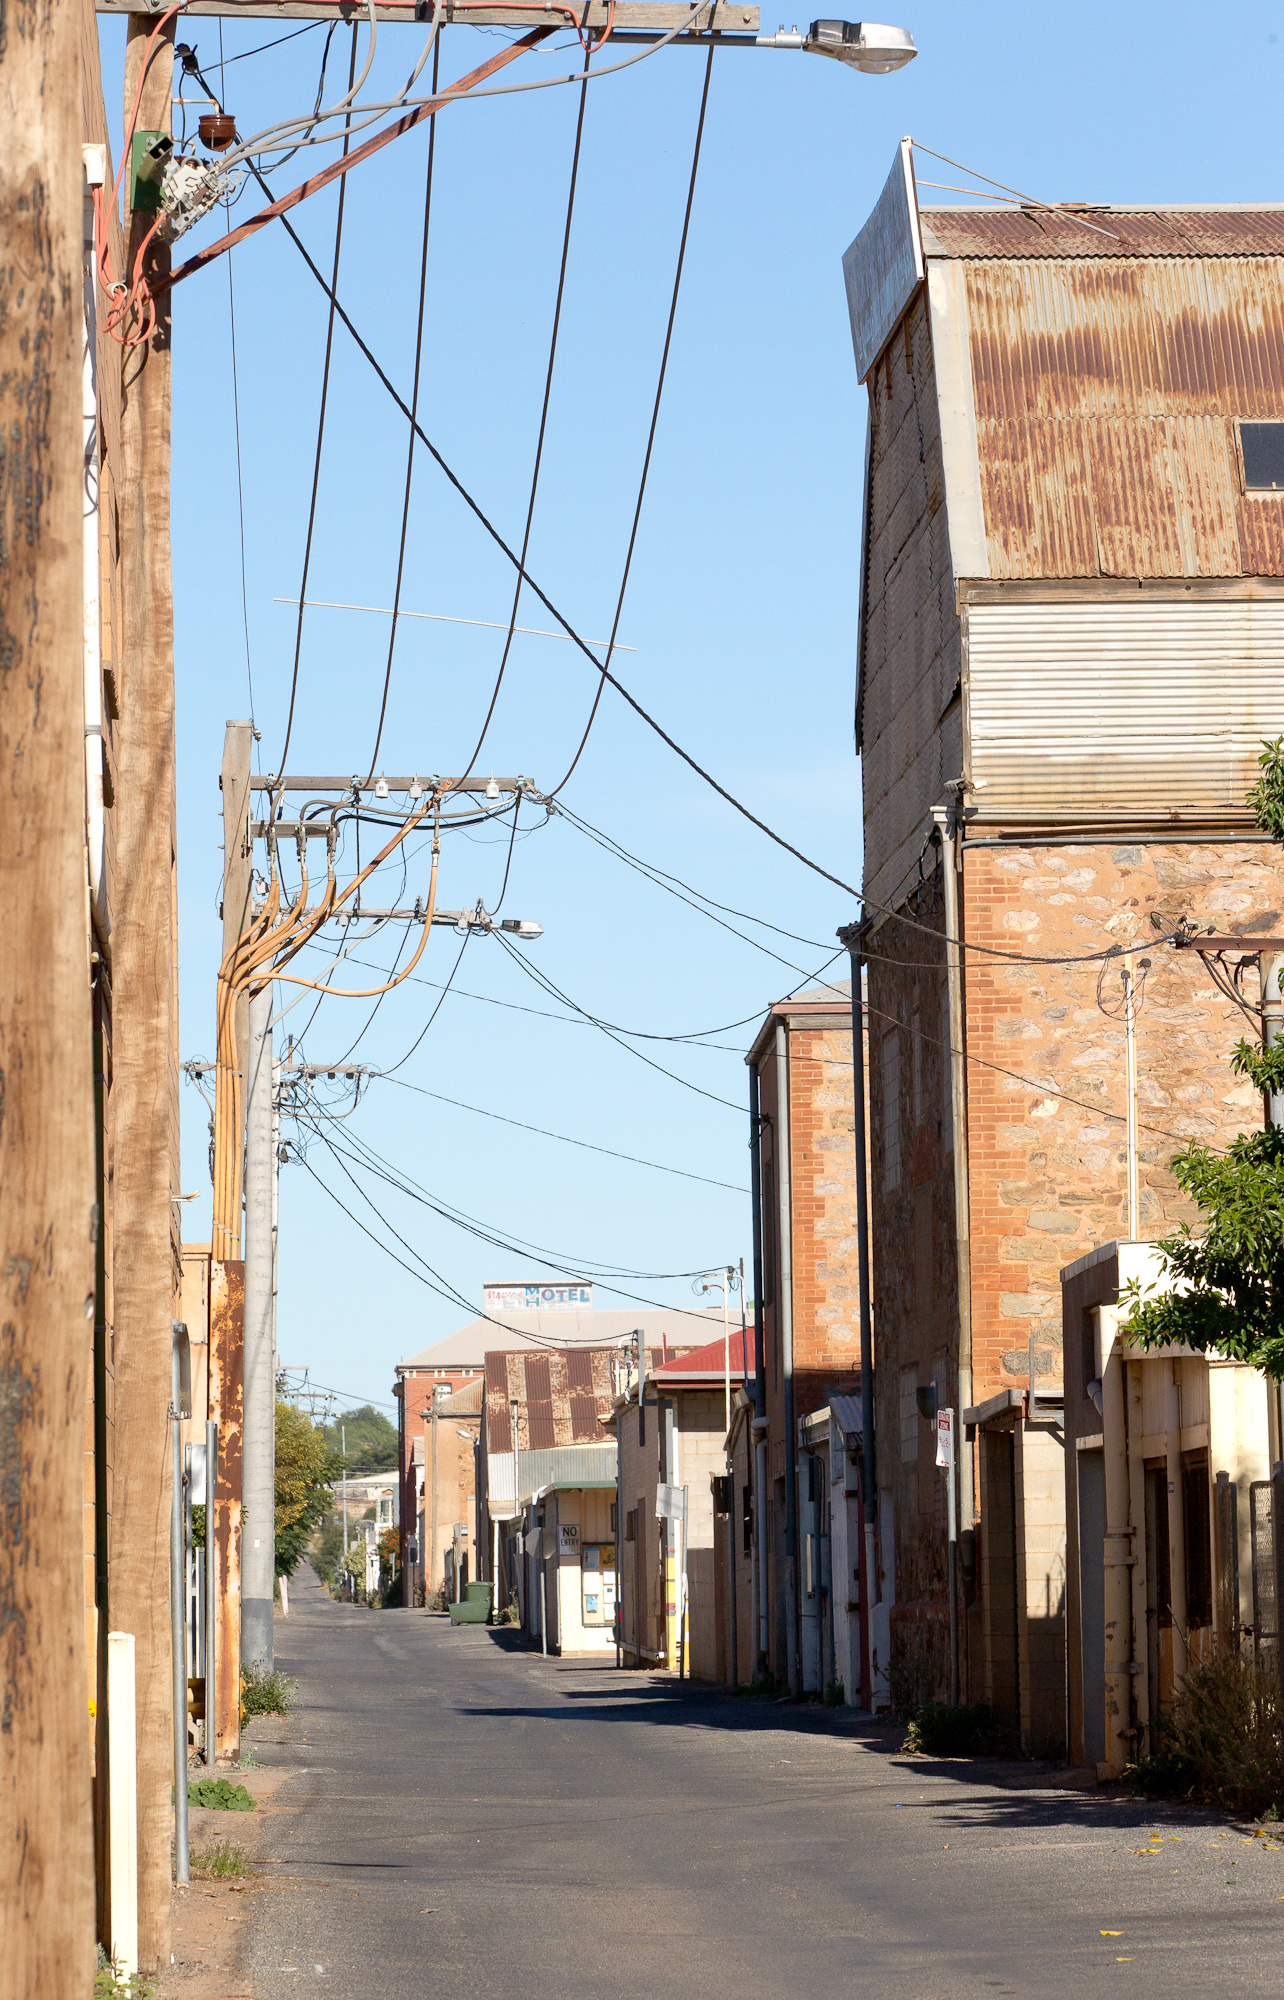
[[543, 423], [650, 440], [263, 47], [1042, 1085], [414, 415], [473, 1229], [437, 1009], [662, 878], [656, 878], [236, 426], [633, 1159], [325, 392], [737, 805], [613, 1036]]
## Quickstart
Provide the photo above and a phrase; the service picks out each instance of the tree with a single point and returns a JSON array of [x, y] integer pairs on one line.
[[304, 1468], [372, 1440], [1230, 1299]]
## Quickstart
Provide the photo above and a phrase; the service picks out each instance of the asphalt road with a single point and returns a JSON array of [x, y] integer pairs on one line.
[[461, 1817]]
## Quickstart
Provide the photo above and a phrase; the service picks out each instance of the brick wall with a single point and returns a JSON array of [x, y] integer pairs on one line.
[[1047, 1156], [825, 1293]]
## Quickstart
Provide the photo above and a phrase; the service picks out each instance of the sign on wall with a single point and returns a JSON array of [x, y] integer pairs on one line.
[[536, 1298]]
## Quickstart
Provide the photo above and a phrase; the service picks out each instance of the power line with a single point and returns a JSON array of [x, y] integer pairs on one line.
[[658, 1166], [543, 415], [414, 412], [236, 427], [583, 1268], [325, 392], [858, 895], [541, 980], [693, 899], [473, 1229], [655, 418]]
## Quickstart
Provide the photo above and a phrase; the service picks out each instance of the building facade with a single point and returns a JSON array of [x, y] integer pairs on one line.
[[1071, 648], [808, 1320]]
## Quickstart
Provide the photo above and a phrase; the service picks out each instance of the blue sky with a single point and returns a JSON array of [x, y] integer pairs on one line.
[[741, 604]]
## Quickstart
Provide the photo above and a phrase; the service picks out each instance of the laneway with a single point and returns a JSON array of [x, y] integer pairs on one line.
[[464, 1818]]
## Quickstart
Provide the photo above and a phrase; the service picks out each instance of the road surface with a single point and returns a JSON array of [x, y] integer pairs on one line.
[[458, 1816]]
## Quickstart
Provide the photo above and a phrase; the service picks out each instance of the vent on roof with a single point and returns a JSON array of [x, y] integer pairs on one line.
[[1263, 449]]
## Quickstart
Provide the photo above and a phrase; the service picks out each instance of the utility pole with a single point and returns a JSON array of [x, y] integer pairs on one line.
[[432, 1423], [47, 1178], [258, 1564], [227, 1280], [145, 1023]]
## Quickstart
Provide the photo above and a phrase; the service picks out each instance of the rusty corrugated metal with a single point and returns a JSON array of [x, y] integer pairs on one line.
[[562, 1398], [1106, 394], [1134, 232]]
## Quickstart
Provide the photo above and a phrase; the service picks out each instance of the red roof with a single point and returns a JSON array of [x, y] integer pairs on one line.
[[708, 1361]]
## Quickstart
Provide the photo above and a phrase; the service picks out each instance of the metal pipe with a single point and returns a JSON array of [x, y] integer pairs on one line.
[[211, 1591], [785, 1324], [543, 1600], [177, 1614], [1118, 1554], [731, 1566], [951, 868], [258, 1566], [1130, 1107]]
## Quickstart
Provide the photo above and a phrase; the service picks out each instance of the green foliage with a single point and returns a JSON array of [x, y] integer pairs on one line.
[[1230, 1282], [835, 1695], [219, 1795], [304, 1468], [1220, 1744], [372, 1441], [938, 1730], [219, 1859], [264, 1693], [198, 1527], [109, 1984], [327, 1552]]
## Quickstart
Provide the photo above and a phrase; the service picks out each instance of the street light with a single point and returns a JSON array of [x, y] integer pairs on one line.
[[523, 927], [867, 45]]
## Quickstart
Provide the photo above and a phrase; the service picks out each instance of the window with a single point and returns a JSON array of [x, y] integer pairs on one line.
[[891, 1110], [1263, 449]]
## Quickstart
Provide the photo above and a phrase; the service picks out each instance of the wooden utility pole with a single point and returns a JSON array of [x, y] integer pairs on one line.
[[145, 964], [227, 1296], [47, 1181]]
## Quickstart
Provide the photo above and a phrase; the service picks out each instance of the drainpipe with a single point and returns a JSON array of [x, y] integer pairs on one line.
[[785, 1315], [851, 937], [755, 1431], [951, 833], [1118, 1555]]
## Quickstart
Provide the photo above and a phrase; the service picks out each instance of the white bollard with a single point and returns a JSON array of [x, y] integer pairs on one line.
[[122, 1801]]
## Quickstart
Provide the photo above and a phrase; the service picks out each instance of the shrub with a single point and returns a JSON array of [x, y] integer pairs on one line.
[[1220, 1744], [938, 1730], [220, 1794], [264, 1693], [220, 1859], [110, 1984]]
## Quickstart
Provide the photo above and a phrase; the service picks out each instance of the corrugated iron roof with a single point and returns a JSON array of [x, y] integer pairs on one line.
[[1134, 232], [556, 1406]]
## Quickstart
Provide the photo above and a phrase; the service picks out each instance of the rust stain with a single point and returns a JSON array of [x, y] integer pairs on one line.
[[1106, 394]]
